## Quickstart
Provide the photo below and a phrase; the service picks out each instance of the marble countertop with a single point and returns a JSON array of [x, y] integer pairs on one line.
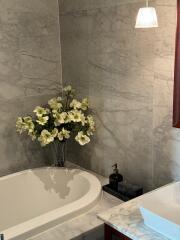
[[126, 218], [83, 227]]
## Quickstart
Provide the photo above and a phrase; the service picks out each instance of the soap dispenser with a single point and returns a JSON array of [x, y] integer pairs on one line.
[[1, 237], [115, 178]]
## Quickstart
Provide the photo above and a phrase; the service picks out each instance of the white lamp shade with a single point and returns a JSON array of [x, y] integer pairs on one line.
[[146, 18]]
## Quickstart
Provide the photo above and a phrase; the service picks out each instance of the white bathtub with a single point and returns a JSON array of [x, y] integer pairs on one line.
[[35, 200]]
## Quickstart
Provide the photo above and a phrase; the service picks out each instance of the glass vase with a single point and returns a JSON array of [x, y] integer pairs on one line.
[[60, 153]]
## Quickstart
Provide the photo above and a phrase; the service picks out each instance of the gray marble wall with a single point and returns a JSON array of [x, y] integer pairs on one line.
[[30, 73], [128, 75]]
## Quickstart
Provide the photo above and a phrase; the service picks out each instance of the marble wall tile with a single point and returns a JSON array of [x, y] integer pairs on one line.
[[128, 75], [30, 74], [123, 113], [165, 138]]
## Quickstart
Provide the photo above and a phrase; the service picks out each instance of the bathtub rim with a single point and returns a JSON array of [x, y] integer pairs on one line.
[[56, 216]]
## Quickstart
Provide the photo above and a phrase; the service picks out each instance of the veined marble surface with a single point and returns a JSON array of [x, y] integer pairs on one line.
[[84, 227], [126, 218], [127, 74], [30, 74]]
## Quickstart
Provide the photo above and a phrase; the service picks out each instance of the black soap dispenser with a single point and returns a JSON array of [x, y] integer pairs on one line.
[[1, 237], [115, 178]]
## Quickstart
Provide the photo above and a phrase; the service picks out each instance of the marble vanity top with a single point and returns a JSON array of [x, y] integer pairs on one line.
[[126, 218]]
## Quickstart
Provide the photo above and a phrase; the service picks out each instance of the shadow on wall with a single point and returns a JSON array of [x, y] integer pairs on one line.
[[81, 155], [24, 154]]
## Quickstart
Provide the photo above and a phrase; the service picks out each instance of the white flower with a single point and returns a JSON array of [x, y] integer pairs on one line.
[[20, 125], [75, 115], [27, 119], [75, 104], [55, 111], [91, 124], [63, 116], [90, 121], [28, 124], [55, 103], [54, 132], [45, 138], [83, 119], [59, 99], [67, 118], [84, 104], [42, 120], [82, 139], [63, 134], [68, 88], [60, 118], [90, 132], [40, 111], [69, 91]]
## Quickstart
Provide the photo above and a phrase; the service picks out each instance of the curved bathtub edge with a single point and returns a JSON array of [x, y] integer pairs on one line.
[[55, 217]]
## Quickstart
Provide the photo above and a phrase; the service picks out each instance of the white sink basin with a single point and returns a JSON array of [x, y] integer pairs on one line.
[[160, 210]]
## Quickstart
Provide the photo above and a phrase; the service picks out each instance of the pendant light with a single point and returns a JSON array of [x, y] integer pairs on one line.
[[146, 17]]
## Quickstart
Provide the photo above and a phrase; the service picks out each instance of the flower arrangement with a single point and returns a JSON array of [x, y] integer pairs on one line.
[[64, 117]]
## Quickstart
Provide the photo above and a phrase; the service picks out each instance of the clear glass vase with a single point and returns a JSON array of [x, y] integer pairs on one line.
[[60, 153]]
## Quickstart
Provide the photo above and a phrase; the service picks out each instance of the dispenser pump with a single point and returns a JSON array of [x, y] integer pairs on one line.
[[115, 177], [115, 168]]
